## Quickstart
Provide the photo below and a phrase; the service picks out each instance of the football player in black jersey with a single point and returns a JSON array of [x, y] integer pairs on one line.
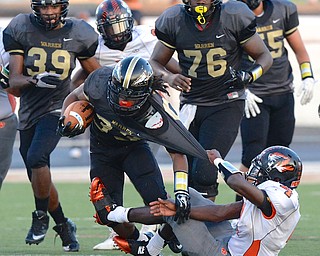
[[43, 48], [210, 37], [129, 110], [269, 111]]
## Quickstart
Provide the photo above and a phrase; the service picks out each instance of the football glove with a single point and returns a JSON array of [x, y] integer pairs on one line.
[[251, 107], [182, 202], [66, 131], [306, 90], [225, 168], [4, 77], [182, 198], [47, 80], [239, 79]]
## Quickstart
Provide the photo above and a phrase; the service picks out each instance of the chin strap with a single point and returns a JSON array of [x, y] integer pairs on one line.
[[201, 10]]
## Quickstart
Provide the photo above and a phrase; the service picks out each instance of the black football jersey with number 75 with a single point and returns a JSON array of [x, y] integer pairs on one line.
[[280, 19]]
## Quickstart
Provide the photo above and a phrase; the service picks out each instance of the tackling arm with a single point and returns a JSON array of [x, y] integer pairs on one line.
[[236, 181]]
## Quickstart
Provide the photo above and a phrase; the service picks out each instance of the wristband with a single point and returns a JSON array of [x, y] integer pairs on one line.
[[180, 181], [306, 70], [256, 71]]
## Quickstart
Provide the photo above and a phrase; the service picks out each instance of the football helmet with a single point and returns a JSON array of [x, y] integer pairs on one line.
[[200, 12], [276, 163], [252, 4], [130, 86], [114, 23], [45, 21]]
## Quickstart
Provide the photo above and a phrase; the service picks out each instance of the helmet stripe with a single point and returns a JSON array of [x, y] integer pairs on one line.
[[130, 69]]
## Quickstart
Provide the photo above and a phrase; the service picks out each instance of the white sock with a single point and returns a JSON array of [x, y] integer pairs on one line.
[[155, 245]]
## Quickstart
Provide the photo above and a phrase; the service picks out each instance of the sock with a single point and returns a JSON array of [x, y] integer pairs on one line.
[[135, 235], [58, 215], [41, 204], [155, 245]]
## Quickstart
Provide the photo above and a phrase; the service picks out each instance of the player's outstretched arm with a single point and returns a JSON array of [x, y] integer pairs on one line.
[[235, 180]]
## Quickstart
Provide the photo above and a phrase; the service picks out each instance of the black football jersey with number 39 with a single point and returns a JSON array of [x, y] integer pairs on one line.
[[205, 55], [53, 51], [280, 19]]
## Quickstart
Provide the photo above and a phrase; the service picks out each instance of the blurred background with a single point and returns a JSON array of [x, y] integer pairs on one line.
[[150, 7]]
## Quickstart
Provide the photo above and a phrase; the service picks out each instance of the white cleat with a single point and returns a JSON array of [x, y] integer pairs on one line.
[[146, 231], [108, 244]]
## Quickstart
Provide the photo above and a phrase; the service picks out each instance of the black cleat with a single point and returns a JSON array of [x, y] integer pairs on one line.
[[174, 245], [39, 227], [67, 232], [134, 247]]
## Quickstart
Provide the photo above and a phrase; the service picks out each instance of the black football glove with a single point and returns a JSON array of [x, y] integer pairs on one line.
[[66, 131], [4, 77], [47, 80], [239, 79], [182, 202]]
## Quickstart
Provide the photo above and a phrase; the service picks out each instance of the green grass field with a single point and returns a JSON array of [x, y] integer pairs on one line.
[[17, 204]]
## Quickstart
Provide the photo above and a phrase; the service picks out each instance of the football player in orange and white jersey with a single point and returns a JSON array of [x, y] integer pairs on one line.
[[267, 215]]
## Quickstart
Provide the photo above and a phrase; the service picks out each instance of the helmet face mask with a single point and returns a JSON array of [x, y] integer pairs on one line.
[[50, 22], [130, 86], [276, 163], [114, 23]]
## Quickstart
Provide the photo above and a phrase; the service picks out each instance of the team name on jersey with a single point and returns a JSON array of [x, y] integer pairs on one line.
[[51, 45], [204, 46], [264, 28], [122, 128]]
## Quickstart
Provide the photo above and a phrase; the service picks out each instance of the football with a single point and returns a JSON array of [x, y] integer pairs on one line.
[[79, 112]]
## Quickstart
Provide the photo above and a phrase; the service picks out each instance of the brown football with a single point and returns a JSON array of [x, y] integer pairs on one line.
[[79, 112]]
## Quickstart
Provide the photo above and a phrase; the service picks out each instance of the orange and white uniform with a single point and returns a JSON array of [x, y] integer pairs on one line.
[[265, 236], [142, 44]]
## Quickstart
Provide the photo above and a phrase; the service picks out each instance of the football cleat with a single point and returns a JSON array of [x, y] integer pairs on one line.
[[108, 244], [67, 232], [174, 244], [39, 227], [102, 202], [131, 246]]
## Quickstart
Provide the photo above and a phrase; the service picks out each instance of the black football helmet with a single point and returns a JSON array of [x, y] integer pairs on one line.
[[114, 23], [130, 86], [46, 21], [276, 163], [200, 12], [252, 4]]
